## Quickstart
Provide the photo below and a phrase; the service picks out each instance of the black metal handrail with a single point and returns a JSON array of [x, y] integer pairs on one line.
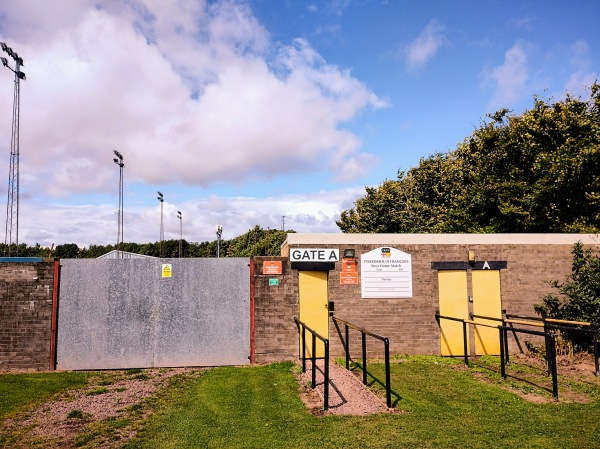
[[551, 351], [325, 341], [503, 330], [551, 323], [386, 344], [464, 328]]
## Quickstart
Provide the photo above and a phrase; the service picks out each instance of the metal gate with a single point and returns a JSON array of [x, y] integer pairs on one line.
[[142, 313]]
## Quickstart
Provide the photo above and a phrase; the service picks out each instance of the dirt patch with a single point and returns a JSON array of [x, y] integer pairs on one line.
[[347, 394], [109, 396]]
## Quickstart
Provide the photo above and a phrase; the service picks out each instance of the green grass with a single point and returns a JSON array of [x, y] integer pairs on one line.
[[441, 404], [19, 391]]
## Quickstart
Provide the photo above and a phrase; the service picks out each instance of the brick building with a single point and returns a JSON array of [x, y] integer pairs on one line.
[[508, 272], [390, 284]]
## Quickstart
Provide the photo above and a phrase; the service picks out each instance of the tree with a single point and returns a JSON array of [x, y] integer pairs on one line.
[[534, 172], [578, 298], [66, 251]]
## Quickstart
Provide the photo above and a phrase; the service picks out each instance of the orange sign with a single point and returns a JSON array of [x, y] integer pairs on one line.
[[348, 278], [272, 267], [349, 265]]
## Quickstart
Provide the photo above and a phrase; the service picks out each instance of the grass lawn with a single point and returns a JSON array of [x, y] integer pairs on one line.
[[439, 404], [441, 407], [18, 391]]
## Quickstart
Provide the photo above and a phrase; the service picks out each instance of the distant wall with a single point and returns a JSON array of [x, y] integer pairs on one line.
[[26, 291]]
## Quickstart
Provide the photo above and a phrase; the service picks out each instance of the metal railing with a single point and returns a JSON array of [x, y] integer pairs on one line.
[[364, 333], [550, 342], [550, 324], [550, 351], [302, 328]]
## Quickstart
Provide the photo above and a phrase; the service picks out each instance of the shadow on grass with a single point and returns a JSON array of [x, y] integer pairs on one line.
[[482, 366]]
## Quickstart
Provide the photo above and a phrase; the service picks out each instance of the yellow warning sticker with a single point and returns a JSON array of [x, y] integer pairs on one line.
[[166, 270]]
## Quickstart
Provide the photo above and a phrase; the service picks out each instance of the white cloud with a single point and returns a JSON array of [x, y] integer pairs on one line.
[[424, 48], [97, 224], [509, 79], [190, 92], [581, 78]]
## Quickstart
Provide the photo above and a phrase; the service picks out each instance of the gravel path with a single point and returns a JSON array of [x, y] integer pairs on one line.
[[347, 394]]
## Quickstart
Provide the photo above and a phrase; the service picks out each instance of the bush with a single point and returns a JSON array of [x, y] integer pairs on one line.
[[578, 298]]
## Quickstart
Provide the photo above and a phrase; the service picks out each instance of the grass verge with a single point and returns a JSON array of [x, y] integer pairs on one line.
[[443, 405], [19, 391]]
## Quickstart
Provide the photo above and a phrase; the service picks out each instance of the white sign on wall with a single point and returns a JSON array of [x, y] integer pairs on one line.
[[386, 273]]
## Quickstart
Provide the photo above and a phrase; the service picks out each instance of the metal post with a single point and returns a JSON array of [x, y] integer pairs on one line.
[[506, 352], [548, 355], [554, 373], [303, 348], [180, 233], [314, 360], [465, 346], [502, 353], [119, 161], [595, 337], [12, 204], [364, 357], [388, 387], [347, 348], [162, 226], [219, 233], [326, 376]]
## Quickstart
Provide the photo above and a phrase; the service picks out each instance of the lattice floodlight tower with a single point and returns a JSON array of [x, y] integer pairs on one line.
[[12, 205]]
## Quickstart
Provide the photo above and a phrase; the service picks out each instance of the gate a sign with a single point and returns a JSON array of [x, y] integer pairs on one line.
[[315, 255], [386, 273]]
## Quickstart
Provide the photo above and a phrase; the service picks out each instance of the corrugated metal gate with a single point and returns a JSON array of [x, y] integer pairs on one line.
[[125, 313]]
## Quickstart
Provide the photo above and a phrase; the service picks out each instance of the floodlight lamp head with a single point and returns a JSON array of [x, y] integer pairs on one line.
[[4, 62], [118, 154], [159, 194]]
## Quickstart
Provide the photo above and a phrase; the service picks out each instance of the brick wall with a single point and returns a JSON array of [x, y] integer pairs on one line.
[[275, 306], [409, 323], [26, 291]]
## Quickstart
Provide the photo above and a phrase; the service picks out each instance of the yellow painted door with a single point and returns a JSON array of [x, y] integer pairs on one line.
[[313, 305], [454, 303], [486, 302]]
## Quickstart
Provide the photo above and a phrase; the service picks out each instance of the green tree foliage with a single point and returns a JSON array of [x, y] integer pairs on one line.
[[534, 172], [578, 298], [255, 242], [66, 251]]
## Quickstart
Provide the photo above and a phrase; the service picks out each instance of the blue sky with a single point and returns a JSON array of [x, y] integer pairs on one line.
[[241, 112]]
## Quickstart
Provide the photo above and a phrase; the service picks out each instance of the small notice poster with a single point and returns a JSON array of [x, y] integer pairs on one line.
[[349, 278], [386, 273], [166, 270], [272, 267]]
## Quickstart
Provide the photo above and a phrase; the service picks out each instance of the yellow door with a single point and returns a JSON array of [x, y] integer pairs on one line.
[[453, 303], [313, 304], [486, 302]]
